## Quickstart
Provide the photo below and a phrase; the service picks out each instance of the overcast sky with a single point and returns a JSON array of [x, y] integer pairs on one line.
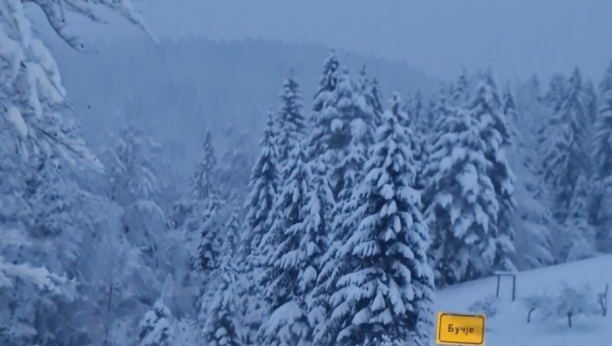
[[517, 37]]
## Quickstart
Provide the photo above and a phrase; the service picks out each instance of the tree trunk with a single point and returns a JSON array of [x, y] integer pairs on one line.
[[529, 315], [569, 319]]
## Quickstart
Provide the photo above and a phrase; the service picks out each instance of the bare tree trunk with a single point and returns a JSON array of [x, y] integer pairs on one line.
[[529, 315], [603, 301], [569, 319]]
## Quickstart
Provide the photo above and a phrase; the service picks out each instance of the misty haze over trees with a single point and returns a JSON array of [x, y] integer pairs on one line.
[[329, 218]]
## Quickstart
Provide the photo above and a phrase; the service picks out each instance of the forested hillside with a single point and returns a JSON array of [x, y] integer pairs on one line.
[[264, 194]]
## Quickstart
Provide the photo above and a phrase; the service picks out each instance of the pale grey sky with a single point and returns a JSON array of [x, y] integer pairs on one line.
[[518, 37]]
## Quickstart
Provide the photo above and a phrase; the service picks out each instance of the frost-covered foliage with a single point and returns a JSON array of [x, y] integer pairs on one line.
[[539, 302], [572, 301], [156, 328], [487, 306], [385, 257]]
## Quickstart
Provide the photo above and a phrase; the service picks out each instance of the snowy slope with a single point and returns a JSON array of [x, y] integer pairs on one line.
[[509, 327]]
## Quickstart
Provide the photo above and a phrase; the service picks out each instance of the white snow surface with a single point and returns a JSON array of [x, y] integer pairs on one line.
[[509, 327]]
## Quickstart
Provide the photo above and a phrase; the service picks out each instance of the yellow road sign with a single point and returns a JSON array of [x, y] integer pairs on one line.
[[457, 329]]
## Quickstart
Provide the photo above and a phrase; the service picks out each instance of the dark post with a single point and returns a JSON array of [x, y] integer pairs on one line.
[[498, 279], [513, 287]]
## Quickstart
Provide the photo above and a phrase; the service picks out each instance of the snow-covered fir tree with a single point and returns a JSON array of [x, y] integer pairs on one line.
[[286, 264], [460, 91], [487, 108], [263, 184], [291, 125], [133, 184], [532, 221], [342, 126], [557, 90], [222, 328], [577, 239], [155, 329], [566, 159], [461, 203], [232, 230], [602, 157], [385, 258]]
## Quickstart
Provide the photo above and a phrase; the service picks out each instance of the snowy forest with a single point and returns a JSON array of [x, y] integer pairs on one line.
[[332, 221]]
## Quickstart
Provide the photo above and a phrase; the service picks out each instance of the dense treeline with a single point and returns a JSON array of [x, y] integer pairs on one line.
[[357, 207]]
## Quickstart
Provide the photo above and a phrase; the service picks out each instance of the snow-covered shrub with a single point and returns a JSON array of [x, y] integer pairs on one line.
[[155, 329], [582, 249], [536, 302], [487, 306], [572, 301]]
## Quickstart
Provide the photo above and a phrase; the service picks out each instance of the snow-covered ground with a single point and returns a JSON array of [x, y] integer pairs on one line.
[[510, 328]]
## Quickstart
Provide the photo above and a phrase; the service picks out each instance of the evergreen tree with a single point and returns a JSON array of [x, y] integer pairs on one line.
[[286, 266], [461, 204], [221, 328], [486, 107], [557, 90], [576, 241], [385, 257], [461, 93], [532, 221], [343, 124], [155, 329], [203, 181], [566, 159], [290, 121], [263, 184], [602, 156]]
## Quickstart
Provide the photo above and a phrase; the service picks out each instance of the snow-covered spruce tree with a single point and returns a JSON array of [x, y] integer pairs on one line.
[[486, 108], [133, 185], [155, 329], [342, 127], [532, 221], [556, 93], [232, 230], [461, 204], [577, 239], [460, 91], [591, 101], [263, 184], [291, 125], [233, 169], [602, 157], [566, 158], [385, 257], [287, 265], [221, 327], [318, 227], [372, 94]]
